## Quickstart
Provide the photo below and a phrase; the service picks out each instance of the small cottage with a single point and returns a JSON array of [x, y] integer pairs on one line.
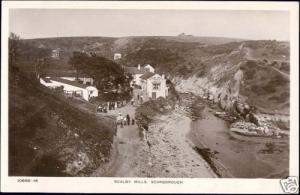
[[136, 73], [56, 53], [149, 68], [154, 85], [117, 56], [70, 87]]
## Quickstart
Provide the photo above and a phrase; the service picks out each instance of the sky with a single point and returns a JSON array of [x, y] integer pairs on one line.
[[255, 25]]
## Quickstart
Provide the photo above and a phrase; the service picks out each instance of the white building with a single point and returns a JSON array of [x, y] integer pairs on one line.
[[149, 67], [70, 87], [117, 56], [153, 86], [137, 72], [56, 53]]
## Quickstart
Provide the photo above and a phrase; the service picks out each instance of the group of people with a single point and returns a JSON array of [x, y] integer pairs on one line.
[[124, 120], [110, 106], [121, 120], [101, 108], [139, 99]]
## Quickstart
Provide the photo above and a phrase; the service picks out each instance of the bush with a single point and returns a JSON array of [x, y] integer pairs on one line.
[[146, 113]]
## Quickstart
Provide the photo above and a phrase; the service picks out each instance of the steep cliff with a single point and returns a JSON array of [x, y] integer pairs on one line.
[[240, 76], [253, 72]]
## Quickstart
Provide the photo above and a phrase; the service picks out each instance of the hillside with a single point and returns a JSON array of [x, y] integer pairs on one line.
[[106, 46], [259, 80], [48, 136], [255, 72], [198, 64]]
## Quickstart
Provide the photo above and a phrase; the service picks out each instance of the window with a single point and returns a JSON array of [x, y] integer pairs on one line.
[[156, 86]]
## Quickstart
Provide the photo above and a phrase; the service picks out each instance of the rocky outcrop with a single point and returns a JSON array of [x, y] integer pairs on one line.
[[221, 85]]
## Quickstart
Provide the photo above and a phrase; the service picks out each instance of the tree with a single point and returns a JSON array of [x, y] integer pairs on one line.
[[108, 75], [13, 44], [78, 61], [29, 57]]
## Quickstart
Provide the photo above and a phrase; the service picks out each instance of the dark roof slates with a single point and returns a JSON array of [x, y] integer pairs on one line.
[[135, 70], [147, 75], [65, 81]]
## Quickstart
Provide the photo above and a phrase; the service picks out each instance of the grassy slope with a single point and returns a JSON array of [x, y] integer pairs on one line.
[[106, 46], [187, 56], [264, 87], [43, 133]]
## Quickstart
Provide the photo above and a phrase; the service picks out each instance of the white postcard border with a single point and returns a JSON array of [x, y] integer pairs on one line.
[[100, 184]]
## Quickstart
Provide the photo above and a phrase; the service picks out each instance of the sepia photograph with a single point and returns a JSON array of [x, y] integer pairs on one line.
[[149, 93]]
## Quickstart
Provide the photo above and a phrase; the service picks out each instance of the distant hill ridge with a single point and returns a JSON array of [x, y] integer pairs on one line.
[[264, 63]]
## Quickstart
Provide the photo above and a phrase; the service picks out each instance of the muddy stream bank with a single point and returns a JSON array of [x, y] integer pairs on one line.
[[244, 157], [176, 146]]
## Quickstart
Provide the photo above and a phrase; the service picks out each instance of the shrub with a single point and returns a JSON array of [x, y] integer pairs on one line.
[[146, 113]]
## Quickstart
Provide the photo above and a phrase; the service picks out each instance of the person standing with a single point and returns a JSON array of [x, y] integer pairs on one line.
[[116, 105], [125, 120], [128, 119], [132, 122], [138, 96], [120, 120], [99, 108]]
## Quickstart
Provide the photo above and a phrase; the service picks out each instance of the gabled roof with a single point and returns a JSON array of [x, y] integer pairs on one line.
[[135, 70], [73, 83], [147, 75], [63, 73], [148, 65]]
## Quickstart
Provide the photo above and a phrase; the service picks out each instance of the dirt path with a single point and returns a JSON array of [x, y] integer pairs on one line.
[[249, 56], [287, 76], [163, 152], [125, 147], [166, 151]]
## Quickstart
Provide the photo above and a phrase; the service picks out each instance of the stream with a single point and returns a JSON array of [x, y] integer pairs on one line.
[[240, 158]]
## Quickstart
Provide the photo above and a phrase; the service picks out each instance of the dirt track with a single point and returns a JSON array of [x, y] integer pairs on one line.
[[164, 152], [124, 152]]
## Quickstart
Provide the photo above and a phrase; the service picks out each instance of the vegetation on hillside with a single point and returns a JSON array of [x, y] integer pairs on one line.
[[264, 86], [47, 135], [145, 114], [109, 76], [25, 56], [188, 56], [54, 138]]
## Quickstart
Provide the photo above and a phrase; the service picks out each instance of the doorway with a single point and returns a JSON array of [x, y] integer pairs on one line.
[[153, 95]]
